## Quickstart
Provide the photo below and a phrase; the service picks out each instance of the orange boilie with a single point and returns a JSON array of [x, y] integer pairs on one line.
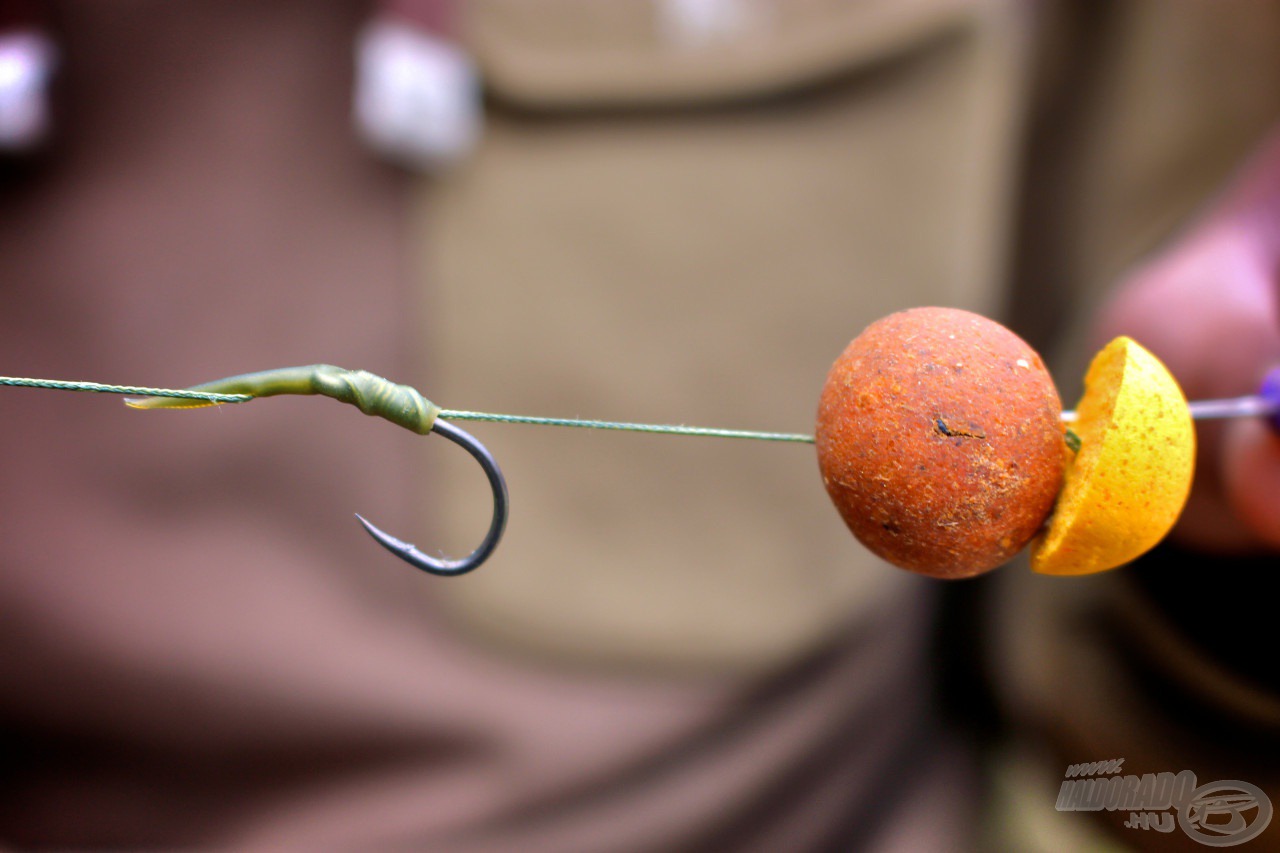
[[940, 441]]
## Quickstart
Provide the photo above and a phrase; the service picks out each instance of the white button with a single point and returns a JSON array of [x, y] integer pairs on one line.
[[417, 98]]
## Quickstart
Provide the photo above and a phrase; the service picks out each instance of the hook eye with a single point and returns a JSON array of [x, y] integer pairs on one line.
[[442, 565]]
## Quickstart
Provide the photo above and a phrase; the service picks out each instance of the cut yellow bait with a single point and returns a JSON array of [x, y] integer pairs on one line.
[[1126, 487]]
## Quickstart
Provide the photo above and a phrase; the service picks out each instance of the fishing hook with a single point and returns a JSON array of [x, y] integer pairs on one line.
[[443, 565], [373, 395]]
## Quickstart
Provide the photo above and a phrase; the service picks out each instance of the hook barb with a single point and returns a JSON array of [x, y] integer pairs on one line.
[[442, 565]]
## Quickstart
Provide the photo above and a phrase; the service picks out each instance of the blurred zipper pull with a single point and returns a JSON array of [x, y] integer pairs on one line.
[[417, 92], [28, 59]]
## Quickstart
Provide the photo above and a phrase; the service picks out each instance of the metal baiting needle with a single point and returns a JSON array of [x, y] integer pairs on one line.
[[1266, 403]]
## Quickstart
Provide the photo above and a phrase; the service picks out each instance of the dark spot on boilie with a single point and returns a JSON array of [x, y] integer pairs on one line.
[[971, 431]]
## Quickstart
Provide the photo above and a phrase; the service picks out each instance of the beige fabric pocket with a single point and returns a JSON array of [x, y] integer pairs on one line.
[[665, 233]]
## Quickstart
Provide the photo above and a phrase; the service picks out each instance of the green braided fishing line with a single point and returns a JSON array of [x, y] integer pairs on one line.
[[447, 414], [133, 390]]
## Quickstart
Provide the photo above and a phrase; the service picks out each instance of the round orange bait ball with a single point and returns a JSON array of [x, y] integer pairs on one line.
[[940, 441]]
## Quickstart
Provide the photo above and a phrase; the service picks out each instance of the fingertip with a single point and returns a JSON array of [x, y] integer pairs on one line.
[[1251, 474]]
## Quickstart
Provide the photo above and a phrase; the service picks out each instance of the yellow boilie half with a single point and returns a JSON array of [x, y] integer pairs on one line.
[[1130, 479]]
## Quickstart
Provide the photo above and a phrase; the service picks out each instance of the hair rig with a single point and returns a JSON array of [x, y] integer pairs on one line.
[[378, 397], [941, 441]]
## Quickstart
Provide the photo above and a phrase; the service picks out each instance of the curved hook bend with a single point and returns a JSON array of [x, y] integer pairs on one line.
[[442, 565]]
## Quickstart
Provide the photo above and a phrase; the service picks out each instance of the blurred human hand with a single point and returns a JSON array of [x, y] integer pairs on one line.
[[1209, 306]]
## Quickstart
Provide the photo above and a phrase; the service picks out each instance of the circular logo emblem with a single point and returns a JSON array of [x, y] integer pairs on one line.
[[1226, 813]]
